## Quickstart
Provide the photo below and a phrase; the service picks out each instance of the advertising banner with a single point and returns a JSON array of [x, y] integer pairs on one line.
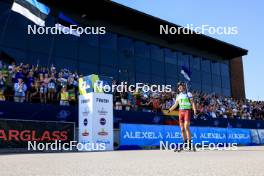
[[17, 133], [103, 119], [261, 136], [142, 135], [238, 135], [171, 134], [152, 135], [95, 112], [208, 135], [85, 118], [254, 136], [96, 119]]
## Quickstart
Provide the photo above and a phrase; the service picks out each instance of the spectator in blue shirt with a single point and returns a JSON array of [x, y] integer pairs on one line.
[[20, 89]]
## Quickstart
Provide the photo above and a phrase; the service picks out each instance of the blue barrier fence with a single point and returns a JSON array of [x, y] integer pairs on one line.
[[48, 112], [152, 135]]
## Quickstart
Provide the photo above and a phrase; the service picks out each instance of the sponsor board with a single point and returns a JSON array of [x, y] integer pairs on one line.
[[261, 136], [17, 133], [152, 135], [254, 136], [97, 126], [85, 119], [96, 119], [103, 119]]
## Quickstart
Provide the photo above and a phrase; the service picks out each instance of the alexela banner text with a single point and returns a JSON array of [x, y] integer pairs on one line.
[[152, 135]]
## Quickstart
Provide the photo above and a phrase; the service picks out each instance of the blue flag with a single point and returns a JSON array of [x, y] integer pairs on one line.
[[67, 25], [186, 73]]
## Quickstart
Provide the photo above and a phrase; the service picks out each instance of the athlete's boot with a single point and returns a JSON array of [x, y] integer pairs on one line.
[[181, 147], [191, 146]]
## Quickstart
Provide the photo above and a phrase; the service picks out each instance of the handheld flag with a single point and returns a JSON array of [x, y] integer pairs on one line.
[[67, 25], [186, 73], [172, 113], [32, 9]]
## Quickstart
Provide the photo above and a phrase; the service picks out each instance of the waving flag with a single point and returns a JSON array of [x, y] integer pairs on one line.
[[186, 73], [67, 25], [32, 9]]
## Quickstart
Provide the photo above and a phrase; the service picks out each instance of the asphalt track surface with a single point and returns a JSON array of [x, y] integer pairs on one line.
[[246, 161]]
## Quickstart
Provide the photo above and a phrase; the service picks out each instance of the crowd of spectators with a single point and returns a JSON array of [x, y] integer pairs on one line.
[[208, 105], [29, 83]]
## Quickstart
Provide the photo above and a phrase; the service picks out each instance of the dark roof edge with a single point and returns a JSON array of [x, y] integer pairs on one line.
[[172, 24]]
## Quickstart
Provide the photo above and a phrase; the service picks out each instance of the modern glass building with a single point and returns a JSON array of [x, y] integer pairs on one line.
[[131, 50]]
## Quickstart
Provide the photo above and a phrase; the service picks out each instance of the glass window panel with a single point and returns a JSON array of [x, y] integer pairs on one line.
[[15, 38], [215, 68], [125, 45], [206, 78], [224, 69], [126, 62], [108, 57], [132, 77], [157, 68], [195, 76], [216, 80], [225, 82], [142, 65], [206, 88], [142, 78], [50, 21], [183, 60], [156, 53], [1, 31], [4, 11], [19, 21], [171, 60], [45, 41], [170, 56], [206, 65], [142, 49], [87, 68], [18, 55], [108, 40], [171, 81], [123, 75], [89, 54], [92, 40], [195, 62], [40, 59], [226, 92], [61, 62], [127, 76], [108, 71], [217, 90], [196, 86], [158, 80], [65, 46], [171, 70]]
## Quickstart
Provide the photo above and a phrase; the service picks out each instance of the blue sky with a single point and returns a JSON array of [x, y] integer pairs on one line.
[[247, 15]]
